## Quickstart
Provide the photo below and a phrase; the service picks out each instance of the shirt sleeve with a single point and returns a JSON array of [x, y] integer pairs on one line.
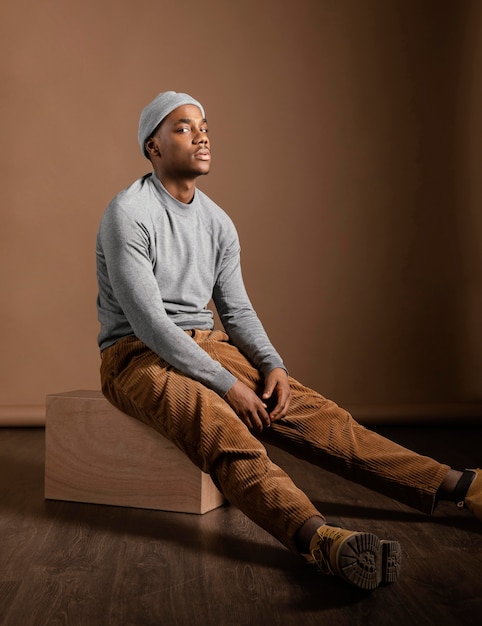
[[238, 315]]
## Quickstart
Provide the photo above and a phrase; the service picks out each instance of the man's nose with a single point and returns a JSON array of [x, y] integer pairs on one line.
[[200, 137]]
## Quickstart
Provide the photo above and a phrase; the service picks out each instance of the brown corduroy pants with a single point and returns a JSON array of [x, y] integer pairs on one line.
[[207, 430]]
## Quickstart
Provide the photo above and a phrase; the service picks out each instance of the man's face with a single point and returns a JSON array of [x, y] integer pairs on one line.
[[182, 144]]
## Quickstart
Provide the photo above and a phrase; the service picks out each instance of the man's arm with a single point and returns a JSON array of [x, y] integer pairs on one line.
[[247, 333], [239, 317]]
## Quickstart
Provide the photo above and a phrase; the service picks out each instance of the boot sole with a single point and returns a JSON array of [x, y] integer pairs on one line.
[[367, 562]]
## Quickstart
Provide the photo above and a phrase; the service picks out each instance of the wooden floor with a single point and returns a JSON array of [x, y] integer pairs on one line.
[[76, 564]]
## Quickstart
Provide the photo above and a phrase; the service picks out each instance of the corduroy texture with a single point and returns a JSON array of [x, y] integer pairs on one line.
[[203, 425]]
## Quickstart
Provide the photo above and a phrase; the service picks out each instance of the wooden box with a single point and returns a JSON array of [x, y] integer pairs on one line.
[[95, 453]]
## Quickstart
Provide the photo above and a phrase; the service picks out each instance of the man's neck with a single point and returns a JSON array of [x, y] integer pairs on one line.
[[182, 190]]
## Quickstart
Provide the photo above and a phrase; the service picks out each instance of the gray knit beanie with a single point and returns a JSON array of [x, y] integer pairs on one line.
[[153, 114]]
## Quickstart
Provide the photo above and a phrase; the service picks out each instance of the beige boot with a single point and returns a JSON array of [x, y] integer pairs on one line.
[[361, 559], [473, 497]]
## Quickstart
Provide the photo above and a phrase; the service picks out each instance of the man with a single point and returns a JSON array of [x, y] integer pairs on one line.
[[164, 249]]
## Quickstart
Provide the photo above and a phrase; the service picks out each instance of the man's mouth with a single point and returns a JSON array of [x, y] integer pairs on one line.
[[203, 155]]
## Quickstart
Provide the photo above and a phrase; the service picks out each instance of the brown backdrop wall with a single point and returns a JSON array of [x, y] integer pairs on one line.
[[347, 149]]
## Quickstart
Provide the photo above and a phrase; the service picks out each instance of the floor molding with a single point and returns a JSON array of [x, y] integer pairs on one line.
[[428, 413], [422, 413], [22, 415]]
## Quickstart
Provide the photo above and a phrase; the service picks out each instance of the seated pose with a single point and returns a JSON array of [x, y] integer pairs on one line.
[[164, 250]]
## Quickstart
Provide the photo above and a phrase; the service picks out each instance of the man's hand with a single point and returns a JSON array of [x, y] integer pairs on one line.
[[248, 407], [277, 389], [252, 410]]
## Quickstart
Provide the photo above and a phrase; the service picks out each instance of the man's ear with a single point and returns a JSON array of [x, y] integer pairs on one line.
[[152, 147]]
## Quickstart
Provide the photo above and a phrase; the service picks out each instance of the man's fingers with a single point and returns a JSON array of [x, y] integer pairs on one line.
[[256, 419], [268, 392]]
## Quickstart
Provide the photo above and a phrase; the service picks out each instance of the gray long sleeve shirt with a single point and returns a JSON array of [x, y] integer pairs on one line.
[[159, 263]]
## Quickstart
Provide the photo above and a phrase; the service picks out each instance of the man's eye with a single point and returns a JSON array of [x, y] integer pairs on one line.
[[204, 130], [183, 130]]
